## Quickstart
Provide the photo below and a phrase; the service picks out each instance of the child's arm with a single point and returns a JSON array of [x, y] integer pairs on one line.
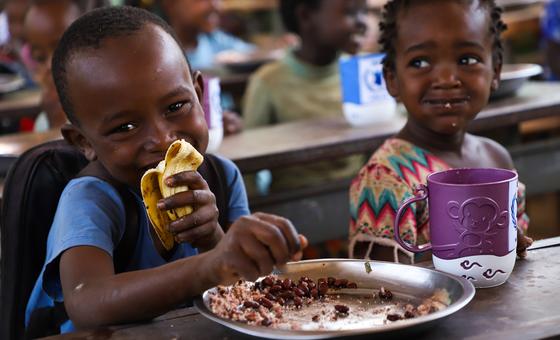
[[95, 296], [496, 154], [232, 122], [523, 242]]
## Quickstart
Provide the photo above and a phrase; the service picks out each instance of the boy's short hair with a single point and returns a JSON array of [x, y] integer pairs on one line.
[[88, 32], [288, 12], [388, 28]]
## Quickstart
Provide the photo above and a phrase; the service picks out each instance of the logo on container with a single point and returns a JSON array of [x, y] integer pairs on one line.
[[364, 92]]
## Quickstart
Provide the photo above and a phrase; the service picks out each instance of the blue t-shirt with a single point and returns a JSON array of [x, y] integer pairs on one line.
[[550, 28], [550, 21], [210, 44], [91, 213]]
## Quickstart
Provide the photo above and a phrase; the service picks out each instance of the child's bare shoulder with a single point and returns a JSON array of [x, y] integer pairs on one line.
[[496, 153]]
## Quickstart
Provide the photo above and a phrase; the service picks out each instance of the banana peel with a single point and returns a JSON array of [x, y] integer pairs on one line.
[[180, 156]]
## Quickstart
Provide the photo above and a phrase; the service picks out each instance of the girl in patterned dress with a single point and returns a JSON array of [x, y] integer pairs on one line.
[[442, 68]]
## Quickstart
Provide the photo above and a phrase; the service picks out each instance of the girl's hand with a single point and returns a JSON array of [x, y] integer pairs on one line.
[[200, 228], [523, 242]]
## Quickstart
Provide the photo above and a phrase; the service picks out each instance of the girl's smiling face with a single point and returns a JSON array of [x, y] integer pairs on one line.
[[443, 63]]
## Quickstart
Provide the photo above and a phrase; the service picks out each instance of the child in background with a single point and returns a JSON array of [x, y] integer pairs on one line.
[[15, 12], [4, 30], [129, 93], [442, 68], [306, 83], [14, 52], [196, 23], [44, 24], [371, 38], [550, 28]]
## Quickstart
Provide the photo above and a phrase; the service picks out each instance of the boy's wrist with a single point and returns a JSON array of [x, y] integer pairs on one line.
[[218, 235], [210, 269], [212, 240]]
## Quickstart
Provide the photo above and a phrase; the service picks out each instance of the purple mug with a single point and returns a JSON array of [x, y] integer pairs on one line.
[[473, 223]]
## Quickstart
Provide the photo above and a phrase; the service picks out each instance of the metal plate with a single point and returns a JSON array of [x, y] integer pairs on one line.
[[238, 62], [10, 82], [407, 282], [513, 76]]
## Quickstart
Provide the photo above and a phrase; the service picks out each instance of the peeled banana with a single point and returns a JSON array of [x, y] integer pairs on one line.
[[180, 156]]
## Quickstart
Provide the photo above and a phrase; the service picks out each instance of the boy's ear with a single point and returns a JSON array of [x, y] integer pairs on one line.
[[74, 136], [496, 77], [198, 82], [391, 81]]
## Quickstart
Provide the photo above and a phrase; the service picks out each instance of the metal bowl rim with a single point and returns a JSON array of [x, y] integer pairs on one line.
[[271, 333], [520, 71]]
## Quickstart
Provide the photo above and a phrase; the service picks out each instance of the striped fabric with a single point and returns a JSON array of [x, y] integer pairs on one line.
[[387, 180]]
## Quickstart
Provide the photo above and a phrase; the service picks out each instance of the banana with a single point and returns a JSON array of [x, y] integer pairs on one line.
[[180, 156]]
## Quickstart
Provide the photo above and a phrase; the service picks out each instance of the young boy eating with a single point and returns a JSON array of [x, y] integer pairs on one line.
[[128, 92]]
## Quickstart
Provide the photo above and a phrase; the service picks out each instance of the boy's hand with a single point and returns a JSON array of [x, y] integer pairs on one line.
[[200, 228], [253, 246], [523, 242], [232, 123], [304, 243]]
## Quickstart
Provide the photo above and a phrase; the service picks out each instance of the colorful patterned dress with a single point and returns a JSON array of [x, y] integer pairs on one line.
[[387, 180]]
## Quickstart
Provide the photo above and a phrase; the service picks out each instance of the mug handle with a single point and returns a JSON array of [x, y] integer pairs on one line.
[[421, 193]]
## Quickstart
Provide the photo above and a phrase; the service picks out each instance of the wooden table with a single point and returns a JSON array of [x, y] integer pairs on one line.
[[232, 83], [312, 140], [20, 104], [518, 3], [527, 306], [272, 4], [11, 146]]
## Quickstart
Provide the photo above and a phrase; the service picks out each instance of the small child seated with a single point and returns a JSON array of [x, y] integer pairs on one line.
[[305, 84], [196, 24], [443, 68], [45, 22], [13, 51], [128, 92], [13, 14], [550, 28]]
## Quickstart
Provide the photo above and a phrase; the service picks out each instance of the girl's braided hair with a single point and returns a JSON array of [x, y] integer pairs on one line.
[[388, 28]]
